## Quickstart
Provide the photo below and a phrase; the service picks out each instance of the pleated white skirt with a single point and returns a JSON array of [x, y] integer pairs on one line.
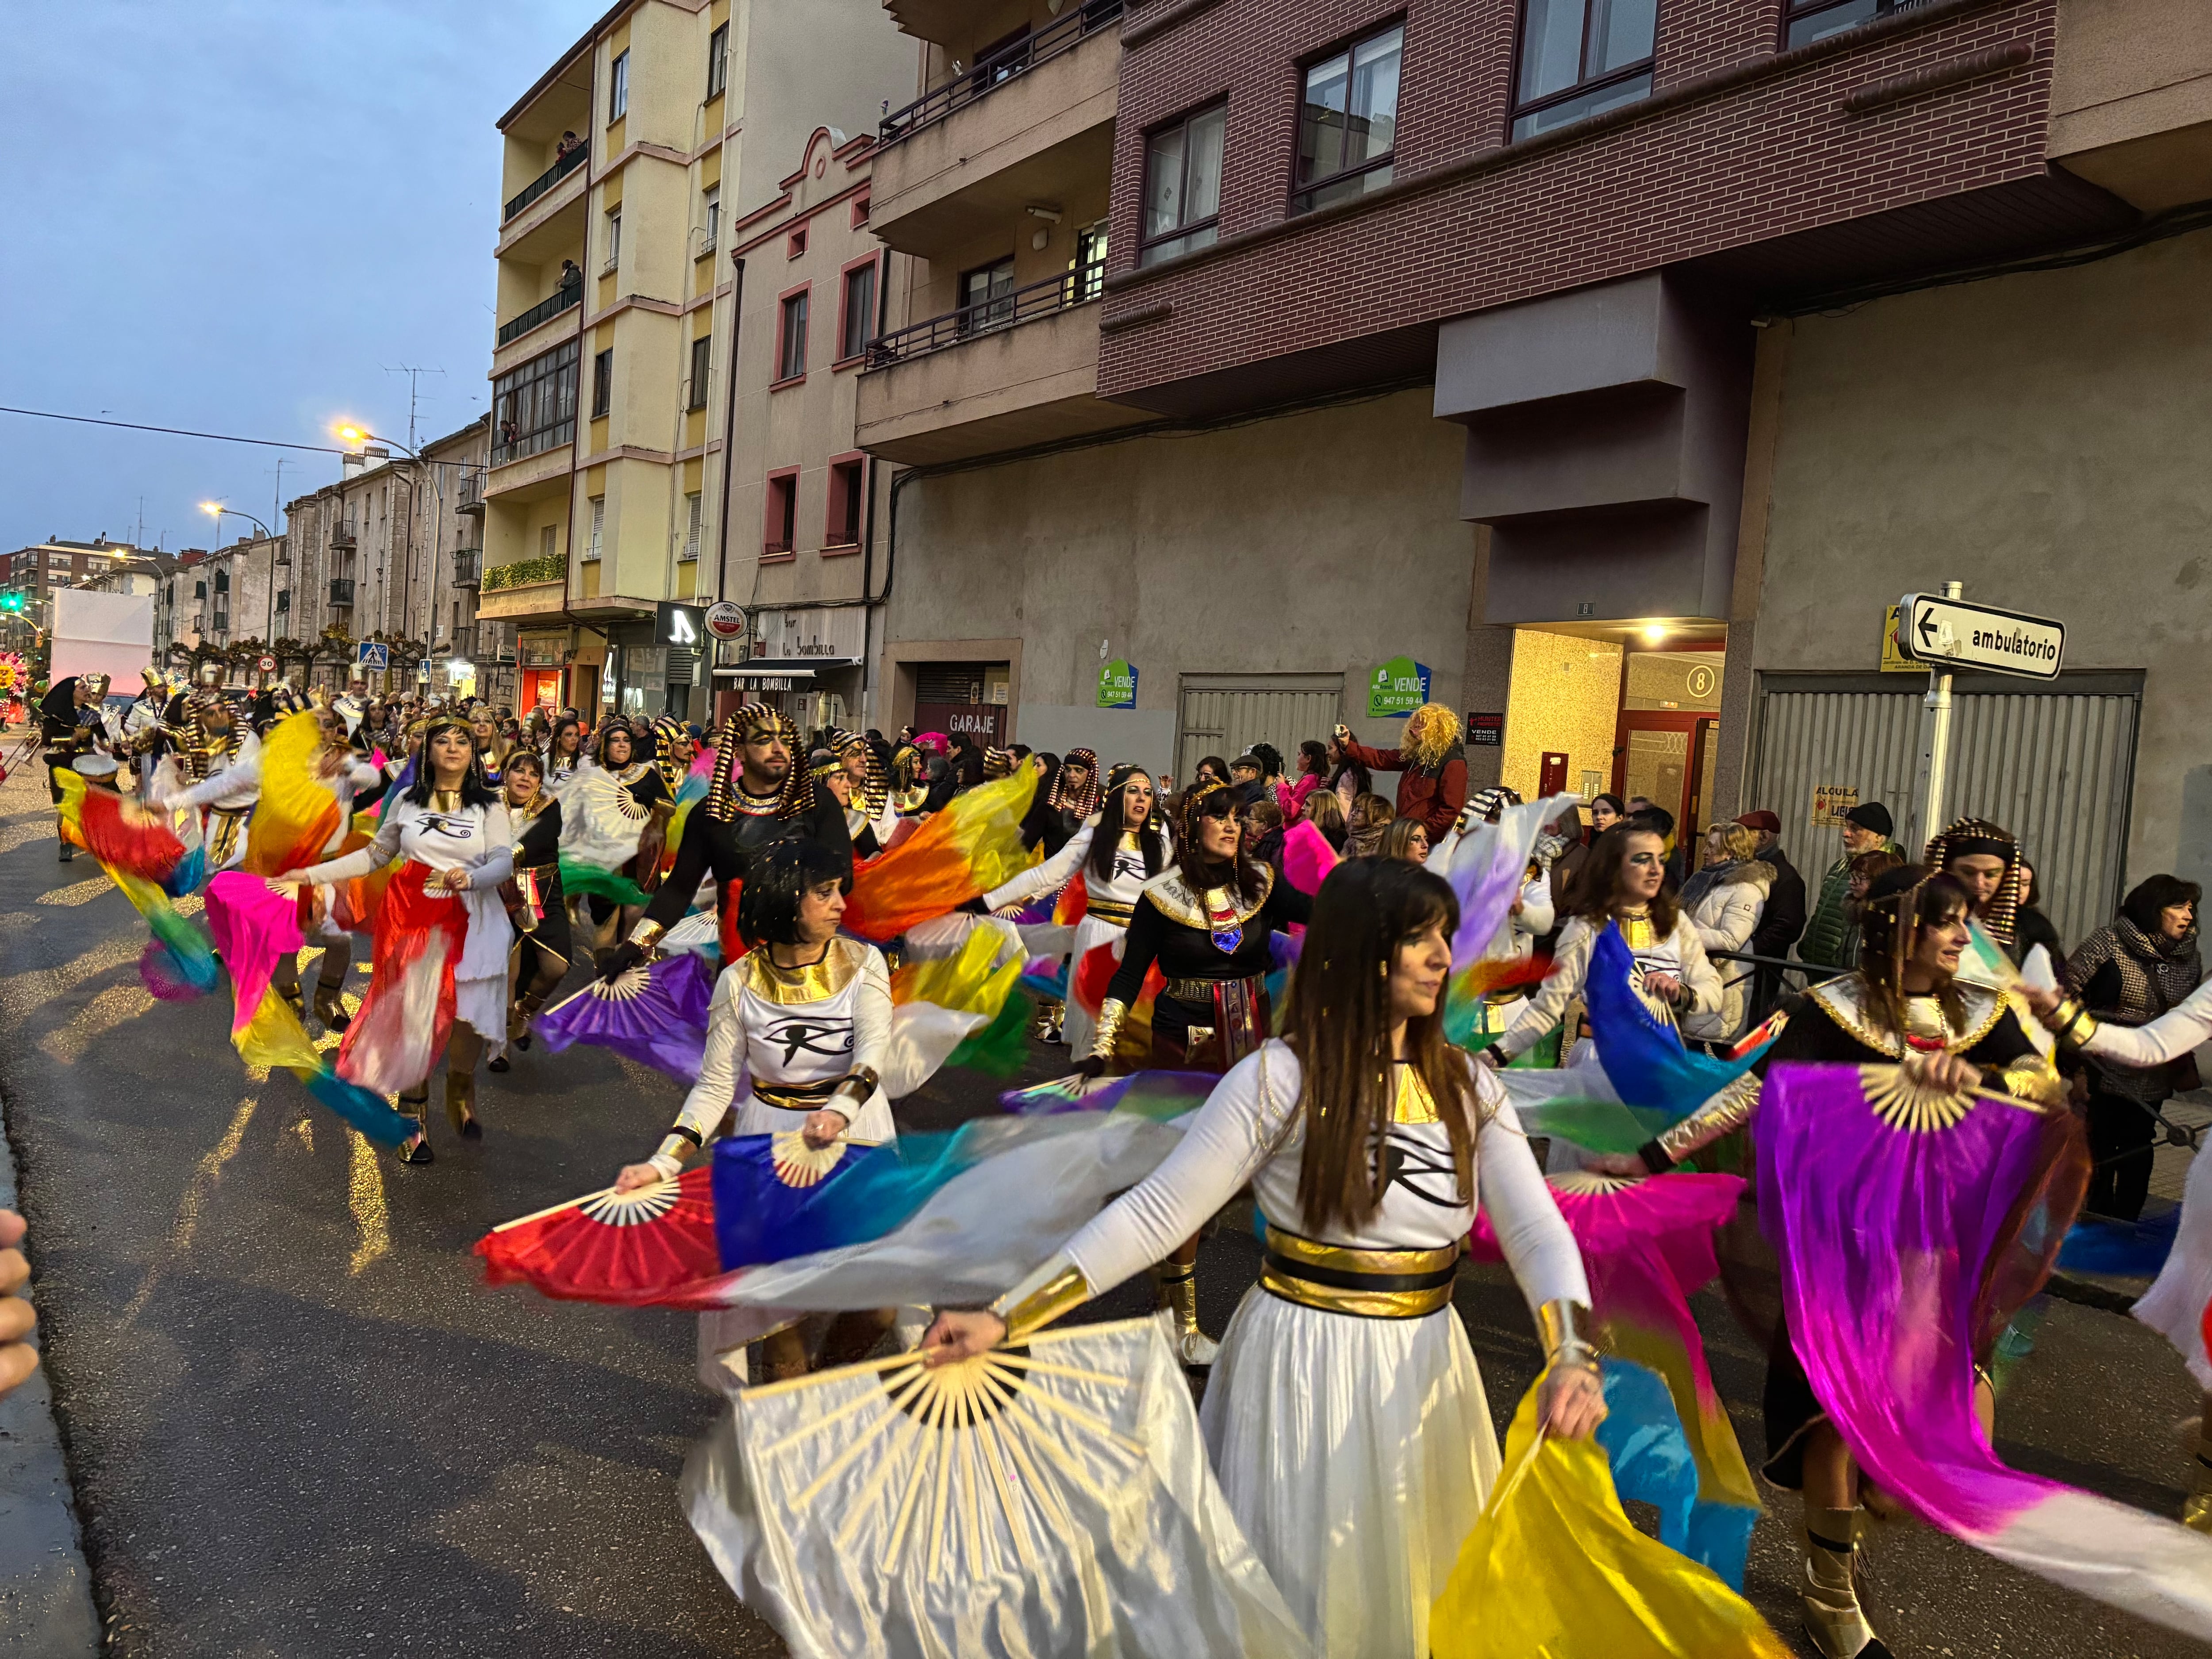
[[2174, 1305], [1356, 1455], [1077, 1028]]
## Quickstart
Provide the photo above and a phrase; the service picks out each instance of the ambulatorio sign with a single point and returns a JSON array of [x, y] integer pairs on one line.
[[1947, 633]]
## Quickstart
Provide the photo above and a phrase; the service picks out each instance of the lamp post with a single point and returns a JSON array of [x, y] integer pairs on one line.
[[355, 434], [215, 511]]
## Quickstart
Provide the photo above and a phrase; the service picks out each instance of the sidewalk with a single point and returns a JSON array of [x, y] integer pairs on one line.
[[46, 1593]]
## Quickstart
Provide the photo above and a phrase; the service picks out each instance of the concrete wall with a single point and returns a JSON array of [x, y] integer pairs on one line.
[[2041, 438], [1325, 541]]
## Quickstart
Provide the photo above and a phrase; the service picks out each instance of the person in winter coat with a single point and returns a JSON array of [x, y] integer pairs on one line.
[[1827, 939], [1431, 765], [1783, 920], [1723, 901], [1313, 772]]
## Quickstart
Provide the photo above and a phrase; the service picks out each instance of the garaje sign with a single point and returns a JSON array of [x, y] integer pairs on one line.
[[1952, 634], [1396, 688]]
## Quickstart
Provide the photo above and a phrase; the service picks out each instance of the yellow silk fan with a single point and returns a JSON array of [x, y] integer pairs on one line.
[[1028, 1502]]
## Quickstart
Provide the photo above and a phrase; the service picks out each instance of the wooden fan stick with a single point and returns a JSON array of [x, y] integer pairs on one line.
[[555, 1209]]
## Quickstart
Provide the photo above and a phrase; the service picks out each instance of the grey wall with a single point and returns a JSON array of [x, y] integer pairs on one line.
[[2042, 439]]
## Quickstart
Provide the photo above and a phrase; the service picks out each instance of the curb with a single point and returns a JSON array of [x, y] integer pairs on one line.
[[46, 1591]]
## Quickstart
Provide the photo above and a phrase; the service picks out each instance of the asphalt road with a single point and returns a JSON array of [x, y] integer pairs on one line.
[[298, 1425]]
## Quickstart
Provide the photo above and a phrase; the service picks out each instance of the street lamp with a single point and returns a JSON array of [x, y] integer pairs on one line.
[[216, 510], [358, 434]]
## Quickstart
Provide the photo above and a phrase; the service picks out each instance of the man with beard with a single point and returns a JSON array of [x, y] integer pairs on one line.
[[757, 797], [1431, 765]]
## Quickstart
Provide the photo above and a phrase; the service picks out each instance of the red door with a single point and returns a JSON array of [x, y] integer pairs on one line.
[[1552, 774], [1668, 759]]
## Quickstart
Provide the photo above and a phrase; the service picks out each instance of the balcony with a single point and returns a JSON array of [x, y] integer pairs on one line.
[[1018, 370], [1031, 123], [342, 591], [544, 311], [468, 562], [471, 495], [545, 180], [341, 536]]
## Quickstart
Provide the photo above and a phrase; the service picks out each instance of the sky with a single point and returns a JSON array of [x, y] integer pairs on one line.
[[237, 216]]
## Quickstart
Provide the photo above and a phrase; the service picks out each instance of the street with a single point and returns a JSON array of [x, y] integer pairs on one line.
[[298, 1425]]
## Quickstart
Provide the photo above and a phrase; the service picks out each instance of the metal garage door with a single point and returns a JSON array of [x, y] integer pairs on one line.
[[2055, 766], [1226, 714]]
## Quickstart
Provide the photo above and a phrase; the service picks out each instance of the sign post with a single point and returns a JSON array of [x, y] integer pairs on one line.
[[1947, 634]]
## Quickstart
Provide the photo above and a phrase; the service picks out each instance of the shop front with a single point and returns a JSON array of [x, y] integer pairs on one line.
[[967, 697]]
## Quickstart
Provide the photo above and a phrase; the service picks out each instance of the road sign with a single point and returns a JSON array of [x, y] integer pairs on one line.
[[1894, 659], [725, 620], [679, 624], [367, 655], [1951, 634], [267, 665]]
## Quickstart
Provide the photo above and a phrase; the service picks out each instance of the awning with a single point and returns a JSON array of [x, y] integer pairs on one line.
[[751, 677]]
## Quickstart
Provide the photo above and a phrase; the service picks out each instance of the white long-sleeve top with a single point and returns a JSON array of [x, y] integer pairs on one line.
[[1122, 889], [477, 839], [1251, 1129], [793, 1028], [1680, 953], [235, 784], [352, 777], [2182, 1028], [1537, 917]]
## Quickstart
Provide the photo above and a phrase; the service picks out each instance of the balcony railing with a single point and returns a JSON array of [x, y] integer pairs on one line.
[[1000, 67], [341, 535], [551, 306], [467, 562], [1022, 305], [471, 494], [545, 180], [342, 590]]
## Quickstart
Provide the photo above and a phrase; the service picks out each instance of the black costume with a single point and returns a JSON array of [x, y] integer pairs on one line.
[[1213, 948], [543, 947]]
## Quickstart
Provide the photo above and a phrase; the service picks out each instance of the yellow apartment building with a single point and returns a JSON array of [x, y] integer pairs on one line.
[[604, 496]]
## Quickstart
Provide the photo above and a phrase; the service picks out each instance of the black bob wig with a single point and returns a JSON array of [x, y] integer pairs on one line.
[[768, 907]]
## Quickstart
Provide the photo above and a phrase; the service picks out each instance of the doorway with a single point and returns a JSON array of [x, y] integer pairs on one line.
[[1665, 746]]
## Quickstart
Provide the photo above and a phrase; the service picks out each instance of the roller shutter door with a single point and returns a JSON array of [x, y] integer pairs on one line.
[[1226, 714]]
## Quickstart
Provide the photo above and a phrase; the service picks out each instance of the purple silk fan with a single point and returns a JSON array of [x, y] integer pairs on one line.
[[654, 1013]]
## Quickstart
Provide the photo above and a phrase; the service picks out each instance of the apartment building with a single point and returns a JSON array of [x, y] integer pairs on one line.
[[179, 603], [391, 553], [606, 469], [1603, 370], [29, 575]]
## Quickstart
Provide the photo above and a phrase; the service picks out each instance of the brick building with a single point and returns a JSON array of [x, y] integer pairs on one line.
[[1475, 332]]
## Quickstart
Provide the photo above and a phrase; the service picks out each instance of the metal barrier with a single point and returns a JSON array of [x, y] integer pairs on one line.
[[1001, 66]]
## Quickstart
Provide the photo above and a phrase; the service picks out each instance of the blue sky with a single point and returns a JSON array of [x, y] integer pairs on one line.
[[235, 215]]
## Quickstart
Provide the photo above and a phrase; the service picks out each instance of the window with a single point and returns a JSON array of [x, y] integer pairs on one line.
[[712, 196], [841, 523], [200, 590], [797, 245], [618, 88], [717, 61], [1579, 57], [782, 523], [703, 350], [692, 513], [614, 242], [1183, 185], [791, 338], [455, 632], [222, 581], [1087, 277], [1348, 123], [860, 210], [984, 296], [283, 601], [856, 324], [1816, 20], [547, 540], [599, 526], [603, 382]]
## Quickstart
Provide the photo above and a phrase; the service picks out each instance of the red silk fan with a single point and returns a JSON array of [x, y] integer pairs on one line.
[[608, 1247]]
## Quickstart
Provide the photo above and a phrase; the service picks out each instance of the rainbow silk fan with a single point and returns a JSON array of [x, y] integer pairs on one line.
[[1047, 1500]]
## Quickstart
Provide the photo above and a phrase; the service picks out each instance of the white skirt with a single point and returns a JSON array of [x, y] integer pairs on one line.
[[480, 1003], [1077, 1027], [2174, 1304], [1356, 1453]]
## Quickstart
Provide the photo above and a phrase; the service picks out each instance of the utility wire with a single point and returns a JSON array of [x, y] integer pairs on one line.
[[175, 431]]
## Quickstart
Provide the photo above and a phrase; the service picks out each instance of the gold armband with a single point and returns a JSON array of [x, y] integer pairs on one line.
[[1727, 1110], [1027, 1311], [1564, 1344], [2033, 1078], [647, 934], [859, 1085], [2071, 1024], [1111, 1013]]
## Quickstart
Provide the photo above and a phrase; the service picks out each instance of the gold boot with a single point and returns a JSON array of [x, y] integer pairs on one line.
[[415, 1105], [1176, 1284], [460, 1101], [1834, 1622], [329, 1006], [520, 1015], [2197, 1508]]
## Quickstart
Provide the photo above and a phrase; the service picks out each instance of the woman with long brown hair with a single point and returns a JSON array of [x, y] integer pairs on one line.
[[1345, 1419], [1623, 885]]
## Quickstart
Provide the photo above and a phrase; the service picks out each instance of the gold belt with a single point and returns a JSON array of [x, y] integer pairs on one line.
[[1200, 990], [796, 1096], [1369, 1284], [1107, 910]]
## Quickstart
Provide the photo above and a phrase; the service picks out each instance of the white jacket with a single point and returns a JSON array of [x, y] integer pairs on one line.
[[1726, 916]]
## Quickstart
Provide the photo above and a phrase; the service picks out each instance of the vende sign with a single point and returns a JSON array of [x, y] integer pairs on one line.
[[1952, 634]]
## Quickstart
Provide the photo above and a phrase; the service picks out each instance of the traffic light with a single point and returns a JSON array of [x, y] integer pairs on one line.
[[12, 600]]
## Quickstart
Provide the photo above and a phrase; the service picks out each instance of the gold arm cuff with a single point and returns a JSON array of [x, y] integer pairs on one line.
[[2072, 1024], [2033, 1078], [1111, 1013], [857, 1088], [677, 1147], [1729, 1111], [1063, 1293], [1563, 1324], [647, 934]]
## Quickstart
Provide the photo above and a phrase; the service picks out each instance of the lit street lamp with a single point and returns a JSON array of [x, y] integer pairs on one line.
[[216, 510]]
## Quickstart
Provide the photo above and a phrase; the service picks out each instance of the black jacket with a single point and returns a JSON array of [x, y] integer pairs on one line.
[[1784, 919]]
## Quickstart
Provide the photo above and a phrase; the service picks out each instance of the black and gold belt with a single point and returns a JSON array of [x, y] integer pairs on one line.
[[1192, 990], [796, 1096], [1107, 910], [1367, 1284]]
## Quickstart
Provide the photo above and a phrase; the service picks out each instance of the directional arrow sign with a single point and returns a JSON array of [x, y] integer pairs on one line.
[[1954, 635]]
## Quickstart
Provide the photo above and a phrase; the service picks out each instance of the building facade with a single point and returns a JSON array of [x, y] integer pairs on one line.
[[1464, 345], [29, 575], [606, 476]]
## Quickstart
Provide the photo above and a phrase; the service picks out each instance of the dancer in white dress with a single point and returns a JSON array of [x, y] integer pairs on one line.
[[1119, 848], [1346, 1420], [796, 1038]]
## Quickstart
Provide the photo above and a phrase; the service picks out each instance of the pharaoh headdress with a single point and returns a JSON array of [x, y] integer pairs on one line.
[[752, 720], [1082, 802], [672, 752], [872, 793], [1967, 837]]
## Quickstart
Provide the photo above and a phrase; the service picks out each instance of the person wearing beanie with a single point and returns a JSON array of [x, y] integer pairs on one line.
[[1867, 828]]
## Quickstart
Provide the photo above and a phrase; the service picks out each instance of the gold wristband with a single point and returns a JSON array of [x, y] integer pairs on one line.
[[2071, 1024], [1111, 1013], [676, 1145], [647, 934], [1564, 1344], [1065, 1291]]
